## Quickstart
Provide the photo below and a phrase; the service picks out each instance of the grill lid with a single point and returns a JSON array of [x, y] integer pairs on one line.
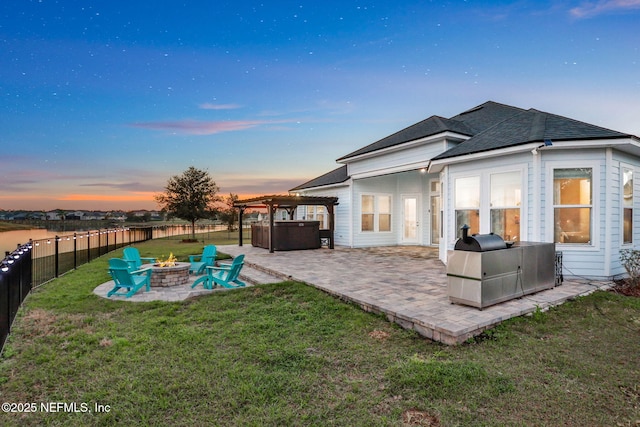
[[479, 242]]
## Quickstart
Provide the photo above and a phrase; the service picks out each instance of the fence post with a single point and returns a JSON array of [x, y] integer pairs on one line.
[[88, 246], [75, 251], [5, 307], [57, 256]]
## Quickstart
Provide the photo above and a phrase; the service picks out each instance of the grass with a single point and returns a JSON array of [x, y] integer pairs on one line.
[[288, 354], [9, 226]]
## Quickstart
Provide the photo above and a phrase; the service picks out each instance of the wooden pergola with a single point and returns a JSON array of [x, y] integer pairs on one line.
[[288, 203]]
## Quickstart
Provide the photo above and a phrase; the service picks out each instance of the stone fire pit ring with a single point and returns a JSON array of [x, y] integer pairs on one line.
[[163, 277]]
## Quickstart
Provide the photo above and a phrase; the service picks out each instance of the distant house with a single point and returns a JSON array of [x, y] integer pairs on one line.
[[75, 216], [117, 216], [54, 215], [525, 175], [20, 216]]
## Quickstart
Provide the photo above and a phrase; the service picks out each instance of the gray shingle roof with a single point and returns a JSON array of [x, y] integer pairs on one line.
[[529, 126], [336, 176], [467, 123], [490, 126], [486, 115], [428, 127]]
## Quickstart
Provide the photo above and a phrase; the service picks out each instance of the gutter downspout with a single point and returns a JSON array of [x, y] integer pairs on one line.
[[535, 206], [608, 239]]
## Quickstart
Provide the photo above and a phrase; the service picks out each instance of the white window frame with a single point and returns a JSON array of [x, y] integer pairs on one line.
[[630, 168], [595, 203], [457, 208], [376, 213], [485, 196], [517, 206], [311, 214]]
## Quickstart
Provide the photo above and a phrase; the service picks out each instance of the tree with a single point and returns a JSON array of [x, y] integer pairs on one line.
[[189, 196], [230, 214]]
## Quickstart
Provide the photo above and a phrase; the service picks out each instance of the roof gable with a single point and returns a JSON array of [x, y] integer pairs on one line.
[[428, 127]]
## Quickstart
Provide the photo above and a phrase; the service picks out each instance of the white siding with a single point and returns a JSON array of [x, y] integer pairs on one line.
[[599, 260], [579, 260], [384, 185], [620, 161], [410, 158], [341, 234]]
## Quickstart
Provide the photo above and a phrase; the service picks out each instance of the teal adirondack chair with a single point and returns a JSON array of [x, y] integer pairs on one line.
[[132, 256], [225, 275], [199, 263], [124, 278]]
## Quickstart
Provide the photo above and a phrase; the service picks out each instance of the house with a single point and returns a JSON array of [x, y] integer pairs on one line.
[[523, 174]]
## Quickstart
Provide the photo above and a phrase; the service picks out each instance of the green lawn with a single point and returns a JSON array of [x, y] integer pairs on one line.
[[10, 226], [288, 354]]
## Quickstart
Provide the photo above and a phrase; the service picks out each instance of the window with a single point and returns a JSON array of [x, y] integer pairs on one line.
[[367, 213], [467, 203], [384, 213], [627, 206], [505, 205], [316, 213], [572, 205], [376, 212]]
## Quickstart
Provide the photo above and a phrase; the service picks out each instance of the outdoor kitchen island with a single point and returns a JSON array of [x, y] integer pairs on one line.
[[484, 270]]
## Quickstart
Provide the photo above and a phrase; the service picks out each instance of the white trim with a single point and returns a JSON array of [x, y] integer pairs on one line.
[[440, 214], [536, 195], [437, 165], [405, 145], [422, 164], [376, 213], [446, 216], [594, 165], [484, 208], [346, 183], [618, 143], [352, 206], [418, 198], [608, 243], [631, 168]]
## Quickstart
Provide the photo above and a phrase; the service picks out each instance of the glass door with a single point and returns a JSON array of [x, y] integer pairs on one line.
[[435, 212], [410, 217], [435, 220]]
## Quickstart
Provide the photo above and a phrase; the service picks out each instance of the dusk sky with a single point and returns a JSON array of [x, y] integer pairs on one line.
[[102, 101]]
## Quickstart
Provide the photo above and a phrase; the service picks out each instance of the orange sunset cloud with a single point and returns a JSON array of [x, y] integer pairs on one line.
[[136, 197]]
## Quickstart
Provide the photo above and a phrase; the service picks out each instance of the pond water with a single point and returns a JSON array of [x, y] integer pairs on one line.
[[9, 240]]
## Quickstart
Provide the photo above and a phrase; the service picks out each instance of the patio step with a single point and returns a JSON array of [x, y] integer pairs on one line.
[[255, 276]]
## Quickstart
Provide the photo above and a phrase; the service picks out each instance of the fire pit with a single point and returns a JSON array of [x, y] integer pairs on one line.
[[174, 275]]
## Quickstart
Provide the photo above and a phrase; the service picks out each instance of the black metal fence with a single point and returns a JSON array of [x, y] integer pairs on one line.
[[56, 256], [15, 284], [39, 261]]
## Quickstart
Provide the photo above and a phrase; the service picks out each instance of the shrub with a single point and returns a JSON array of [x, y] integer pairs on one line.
[[630, 259]]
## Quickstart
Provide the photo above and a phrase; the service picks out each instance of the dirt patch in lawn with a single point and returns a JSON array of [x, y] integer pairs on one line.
[[625, 287], [415, 417]]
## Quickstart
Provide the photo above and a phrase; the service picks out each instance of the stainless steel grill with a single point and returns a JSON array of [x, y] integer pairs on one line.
[[484, 270]]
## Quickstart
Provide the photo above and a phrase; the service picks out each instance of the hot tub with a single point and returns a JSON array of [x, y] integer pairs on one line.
[[287, 235]]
